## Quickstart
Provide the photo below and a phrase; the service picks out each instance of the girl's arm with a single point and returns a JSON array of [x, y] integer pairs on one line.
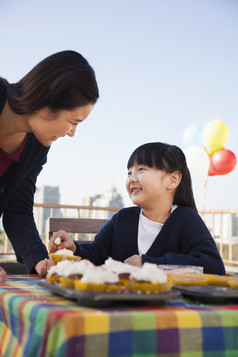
[[66, 242]]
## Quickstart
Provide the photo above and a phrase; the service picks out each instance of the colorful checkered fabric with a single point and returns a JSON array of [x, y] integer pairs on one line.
[[36, 323]]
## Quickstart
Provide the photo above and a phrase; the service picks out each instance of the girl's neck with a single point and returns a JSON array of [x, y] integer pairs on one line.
[[160, 214]]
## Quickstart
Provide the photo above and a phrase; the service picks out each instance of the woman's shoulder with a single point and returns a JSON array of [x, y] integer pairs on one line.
[[34, 143], [3, 95], [34, 150]]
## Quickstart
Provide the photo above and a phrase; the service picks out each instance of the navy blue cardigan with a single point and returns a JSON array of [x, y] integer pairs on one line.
[[17, 188], [184, 239]]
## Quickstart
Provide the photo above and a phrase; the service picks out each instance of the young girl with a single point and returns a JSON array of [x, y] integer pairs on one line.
[[46, 104], [164, 226]]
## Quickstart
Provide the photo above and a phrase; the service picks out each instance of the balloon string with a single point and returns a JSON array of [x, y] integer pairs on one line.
[[205, 194]]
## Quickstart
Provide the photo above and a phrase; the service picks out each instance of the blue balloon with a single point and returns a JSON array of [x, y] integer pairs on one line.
[[193, 135]]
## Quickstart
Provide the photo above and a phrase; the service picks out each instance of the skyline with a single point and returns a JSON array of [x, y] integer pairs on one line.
[[161, 66]]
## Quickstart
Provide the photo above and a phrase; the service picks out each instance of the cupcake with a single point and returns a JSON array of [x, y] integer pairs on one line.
[[57, 271], [52, 275], [214, 279], [233, 282], [68, 254], [98, 279], [123, 270], [149, 279], [75, 271], [188, 279]]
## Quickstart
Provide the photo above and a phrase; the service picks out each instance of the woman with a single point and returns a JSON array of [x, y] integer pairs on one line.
[[46, 104]]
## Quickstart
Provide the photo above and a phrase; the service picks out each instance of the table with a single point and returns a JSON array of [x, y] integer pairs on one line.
[[34, 322]]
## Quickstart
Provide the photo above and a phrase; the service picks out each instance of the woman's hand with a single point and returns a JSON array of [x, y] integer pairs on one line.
[[134, 260], [65, 242], [43, 266], [3, 275]]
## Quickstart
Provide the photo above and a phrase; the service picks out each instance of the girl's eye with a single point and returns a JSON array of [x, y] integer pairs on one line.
[[141, 169], [129, 173]]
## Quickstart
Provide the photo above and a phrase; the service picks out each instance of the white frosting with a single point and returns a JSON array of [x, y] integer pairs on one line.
[[150, 272], [52, 270], [62, 266], [99, 275], [64, 252], [57, 241], [78, 267], [119, 267]]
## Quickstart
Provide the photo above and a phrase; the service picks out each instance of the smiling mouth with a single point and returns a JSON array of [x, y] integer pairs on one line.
[[135, 190]]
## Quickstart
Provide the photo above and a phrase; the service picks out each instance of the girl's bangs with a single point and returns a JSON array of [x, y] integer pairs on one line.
[[146, 155]]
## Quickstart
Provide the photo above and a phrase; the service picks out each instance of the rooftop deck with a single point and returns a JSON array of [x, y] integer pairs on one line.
[[223, 225]]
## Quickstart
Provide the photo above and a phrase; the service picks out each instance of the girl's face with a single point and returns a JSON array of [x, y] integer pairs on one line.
[[147, 186], [48, 126]]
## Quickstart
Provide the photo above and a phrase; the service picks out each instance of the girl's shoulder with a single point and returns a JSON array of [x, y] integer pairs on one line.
[[127, 213], [185, 212], [129, 210]]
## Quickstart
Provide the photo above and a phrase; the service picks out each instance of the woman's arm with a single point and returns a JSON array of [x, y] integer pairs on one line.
[[19, 224], [3, 275]]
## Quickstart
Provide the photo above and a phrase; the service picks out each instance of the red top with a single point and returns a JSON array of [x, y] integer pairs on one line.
[[6, 160]]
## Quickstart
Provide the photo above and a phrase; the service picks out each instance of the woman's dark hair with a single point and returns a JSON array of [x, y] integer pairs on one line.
[[62, 81], [168, 158]]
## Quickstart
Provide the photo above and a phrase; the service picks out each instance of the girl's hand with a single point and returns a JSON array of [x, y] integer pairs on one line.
[[65, 242], [3, 274], [134, 260]]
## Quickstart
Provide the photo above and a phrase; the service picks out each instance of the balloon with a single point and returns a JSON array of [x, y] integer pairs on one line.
[[193, 135], [215, 135], [198, 162], [222, 162]]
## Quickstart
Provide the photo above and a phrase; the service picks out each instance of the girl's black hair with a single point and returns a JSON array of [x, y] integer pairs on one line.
[[168, 158], [62, 81]]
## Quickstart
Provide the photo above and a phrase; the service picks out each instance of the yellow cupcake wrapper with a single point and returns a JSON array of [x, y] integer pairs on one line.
[[214, 279], [96, 287], [233, 283], [51, 279], [66, 282], [58, 257], [150, 288]]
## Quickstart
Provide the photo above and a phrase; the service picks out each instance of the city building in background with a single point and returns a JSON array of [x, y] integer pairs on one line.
[[234, 225], [46, 194], [110, 198]]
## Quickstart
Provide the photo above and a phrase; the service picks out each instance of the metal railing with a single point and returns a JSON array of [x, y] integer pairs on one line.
[[223, 225]]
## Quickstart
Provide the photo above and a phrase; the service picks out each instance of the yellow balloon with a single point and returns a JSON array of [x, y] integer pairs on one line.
[[215, 135]]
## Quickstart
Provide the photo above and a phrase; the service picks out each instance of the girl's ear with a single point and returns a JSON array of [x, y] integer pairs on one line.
[[174, 180]]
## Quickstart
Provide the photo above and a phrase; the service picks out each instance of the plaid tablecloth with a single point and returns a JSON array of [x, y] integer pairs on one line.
[[34, 322]]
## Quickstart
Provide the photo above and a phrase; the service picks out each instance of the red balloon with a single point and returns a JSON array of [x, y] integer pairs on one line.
[[222, 162]]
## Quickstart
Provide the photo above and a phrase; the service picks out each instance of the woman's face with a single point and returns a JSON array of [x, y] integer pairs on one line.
[[48, 126]]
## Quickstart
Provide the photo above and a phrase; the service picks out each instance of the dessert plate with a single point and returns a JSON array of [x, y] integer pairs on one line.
[[209, 293], [100, 298]]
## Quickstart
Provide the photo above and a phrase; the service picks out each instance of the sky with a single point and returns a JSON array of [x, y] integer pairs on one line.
[[161, 66]]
